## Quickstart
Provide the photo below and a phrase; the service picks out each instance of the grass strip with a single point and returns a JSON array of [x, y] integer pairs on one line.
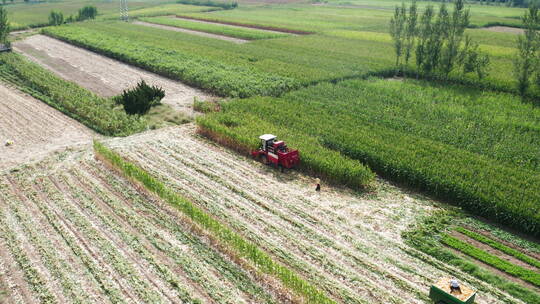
[[517, 271], [76, 102], [219, 29], [497, 245], [244, 248]]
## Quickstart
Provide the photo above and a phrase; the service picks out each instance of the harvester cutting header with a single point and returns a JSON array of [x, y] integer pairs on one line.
[[276, 152]]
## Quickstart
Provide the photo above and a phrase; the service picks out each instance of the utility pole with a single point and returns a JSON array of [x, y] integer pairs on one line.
[[124, 10]]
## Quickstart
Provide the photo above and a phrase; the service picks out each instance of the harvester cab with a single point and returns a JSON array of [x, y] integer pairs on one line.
[[275, 152]]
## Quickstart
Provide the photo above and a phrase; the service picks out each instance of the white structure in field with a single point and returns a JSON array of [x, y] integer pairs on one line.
[[124, 10]]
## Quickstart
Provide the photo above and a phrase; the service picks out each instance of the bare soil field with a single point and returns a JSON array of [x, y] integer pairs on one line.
[[182, 30], [35, 129], [72, 231], [504, 29], [347, 243], [103, 76]]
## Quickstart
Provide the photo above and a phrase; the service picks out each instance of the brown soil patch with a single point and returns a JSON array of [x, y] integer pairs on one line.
[[261, 27], [103, 76], [192, 32], [504, 29], [35, 129]]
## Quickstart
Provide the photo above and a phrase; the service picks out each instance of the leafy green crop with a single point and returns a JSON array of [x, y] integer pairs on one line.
[[517, 271], [497, 245], [80, 104]]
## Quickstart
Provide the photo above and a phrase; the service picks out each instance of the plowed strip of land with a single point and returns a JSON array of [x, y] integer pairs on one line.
[[35, 129], [79, 233], [192, 32], [504, 29], [103, 76], [348, 244]]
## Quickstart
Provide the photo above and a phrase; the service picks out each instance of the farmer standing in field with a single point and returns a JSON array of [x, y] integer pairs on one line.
[[454, 286], [318, 183]]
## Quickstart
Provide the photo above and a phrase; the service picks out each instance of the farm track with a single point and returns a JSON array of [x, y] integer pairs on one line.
[[103, 76], [35, 128], [192, 32], [229, 25], [74, 231], [350, 242]]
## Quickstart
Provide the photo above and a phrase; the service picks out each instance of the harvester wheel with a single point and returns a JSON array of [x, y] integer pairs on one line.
[[281, 168]]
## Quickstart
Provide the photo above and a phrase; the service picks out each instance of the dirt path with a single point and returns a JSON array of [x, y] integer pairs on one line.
[[35, 129], [349, 241], [504, 29], [103, 76], [192, 32]]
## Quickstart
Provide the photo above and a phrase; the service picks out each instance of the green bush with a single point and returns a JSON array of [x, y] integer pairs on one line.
[[87, 12], [56, 18], [140, 99]]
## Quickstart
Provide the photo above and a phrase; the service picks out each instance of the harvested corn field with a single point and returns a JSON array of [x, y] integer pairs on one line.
[[347, 244], [72, 231], [29, 129], [103, 76]]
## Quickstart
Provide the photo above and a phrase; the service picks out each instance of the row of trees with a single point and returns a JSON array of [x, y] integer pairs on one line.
[[437, 40], [527, 62], [85, 13]]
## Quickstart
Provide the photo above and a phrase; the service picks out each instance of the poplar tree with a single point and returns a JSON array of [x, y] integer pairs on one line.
[[454, 31], [411, 31], [527, 45], [424, 33], [4, 27], [397, 31]]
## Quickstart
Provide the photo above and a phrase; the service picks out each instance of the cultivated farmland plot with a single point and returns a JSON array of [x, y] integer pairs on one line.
[[348, 244], [103, 76], [72, 231], [35, 129]]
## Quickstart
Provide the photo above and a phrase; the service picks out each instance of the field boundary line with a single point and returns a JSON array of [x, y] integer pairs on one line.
[[243, 248]]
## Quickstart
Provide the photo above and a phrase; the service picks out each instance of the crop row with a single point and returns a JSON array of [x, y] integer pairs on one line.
[[433, 140], [237, 32], [497, 245], [517, 271], [245, 248], [425, 236], [78, 103]]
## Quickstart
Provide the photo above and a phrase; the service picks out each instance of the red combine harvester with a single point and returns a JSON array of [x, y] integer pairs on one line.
[[276, 152]]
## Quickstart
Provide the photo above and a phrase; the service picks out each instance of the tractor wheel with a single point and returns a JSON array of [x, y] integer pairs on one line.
[[264, 159]]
